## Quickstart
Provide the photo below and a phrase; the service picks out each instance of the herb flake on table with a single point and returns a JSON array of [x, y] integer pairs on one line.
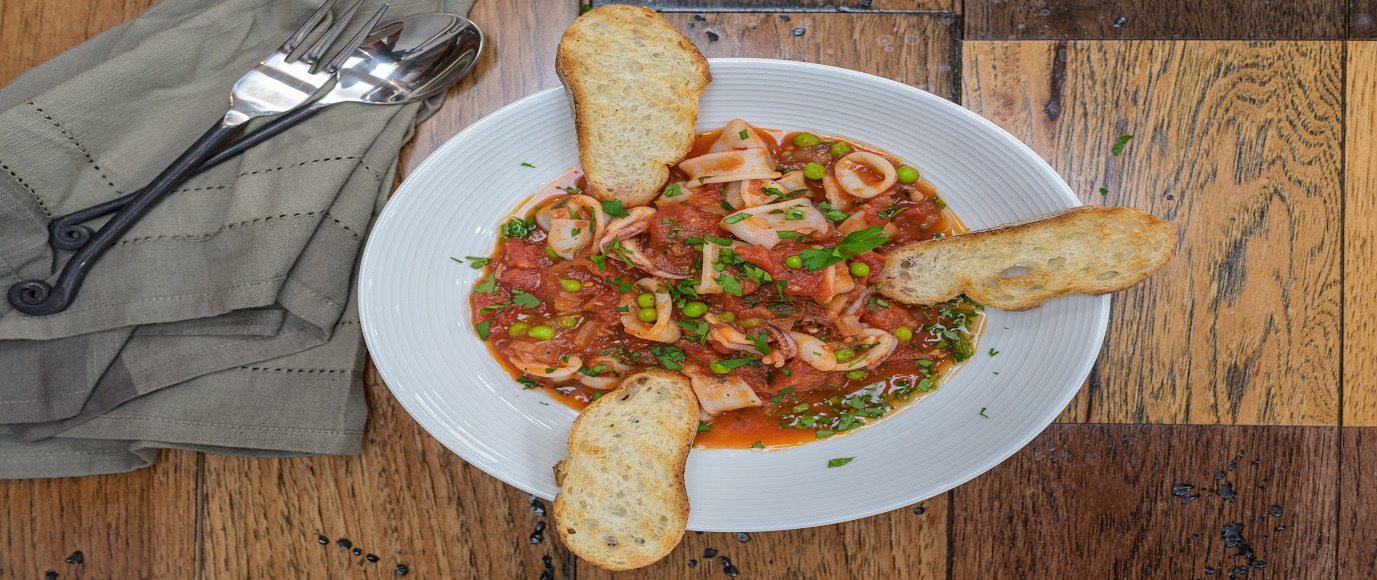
[[1104, 191], [524, 164], [993, 352], [838, 462], [1119, 144], [982, 412]]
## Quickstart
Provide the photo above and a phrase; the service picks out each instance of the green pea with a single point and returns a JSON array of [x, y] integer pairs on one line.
[[647, 315], [570, 285], [518, 329], [718, 368], [906, 174], [805, 140], [903, 333], [567, 321], [551, 253], [855, 375], [645, 300], [794, 262], [695, 309], [814, 171], [726, 317], [859, 269], [839, 149], [845, 355], [541, 332]]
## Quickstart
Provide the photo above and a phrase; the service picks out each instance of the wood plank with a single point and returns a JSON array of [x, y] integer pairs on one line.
[[1362, 19], [407, 500], [793, 5], [1164, 19], [1360, 237], [906, 543], [1110, 501], [1238, 146], [920, 50], [128, 525], [1357, 545], [32, 31]]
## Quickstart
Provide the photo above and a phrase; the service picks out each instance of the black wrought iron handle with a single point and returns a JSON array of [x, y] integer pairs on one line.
[[69, 232], [37, 297]]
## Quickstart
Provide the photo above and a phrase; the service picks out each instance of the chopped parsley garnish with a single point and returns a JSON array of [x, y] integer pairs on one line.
[[575, 232], [527, 383], [731, 219], [762, 342], [572, 190], [838, 462], [597, 395], [876, 300], [732, 363], [705, 178], [476, 262], [704, 427], [482, 328], [993, 352], [666, 221], [727, 206], [1119, 144], [982, 412], [518, 228], [674, 190], [786, 234], [793, 214], [729, 284], [856, 242], [595, 371], [781, 394], [755, 273], [1104, 191], [743, 134], [832, 214], [623, 285], [889, 212], [519, 298], [487, 286], [524, 164], [758, 445], [821, 433], [669, 357], [698, 328], [614, 208]]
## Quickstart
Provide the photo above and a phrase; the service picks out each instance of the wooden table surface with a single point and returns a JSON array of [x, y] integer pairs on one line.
[[1228, 423]]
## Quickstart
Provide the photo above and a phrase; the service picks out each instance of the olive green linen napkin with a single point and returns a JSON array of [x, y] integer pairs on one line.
[[225, 321]]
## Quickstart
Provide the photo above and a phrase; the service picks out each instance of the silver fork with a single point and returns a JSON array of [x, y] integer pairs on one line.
[[278, 84]]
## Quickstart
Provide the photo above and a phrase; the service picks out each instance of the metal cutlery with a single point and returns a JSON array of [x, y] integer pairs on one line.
[[399, 62], [279, 83]]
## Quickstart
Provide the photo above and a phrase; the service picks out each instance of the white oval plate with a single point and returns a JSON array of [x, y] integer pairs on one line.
[[414, 304]]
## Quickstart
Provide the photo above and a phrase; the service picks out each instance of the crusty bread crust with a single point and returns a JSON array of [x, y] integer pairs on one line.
[[623, 503], [633, 82], [1083, 250]]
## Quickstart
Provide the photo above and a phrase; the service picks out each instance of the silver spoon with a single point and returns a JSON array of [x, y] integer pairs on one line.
[[399, 62]]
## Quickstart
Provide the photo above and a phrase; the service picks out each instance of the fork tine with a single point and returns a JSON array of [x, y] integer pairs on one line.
[[321, 46], [357, 40], [301, 33]]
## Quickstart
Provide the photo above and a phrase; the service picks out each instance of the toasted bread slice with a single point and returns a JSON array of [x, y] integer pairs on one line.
[[622, 502], [633, 82], [1082, 250]]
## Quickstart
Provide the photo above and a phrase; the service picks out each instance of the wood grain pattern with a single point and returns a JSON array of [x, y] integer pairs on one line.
[[920, 50], [1238, 146], [793, 5], [1360, 236], [1362, 19], [1357, 545], [907, 543], [129, 525], [1163, 19], [32, 31], [407, 499], [1101, 501]]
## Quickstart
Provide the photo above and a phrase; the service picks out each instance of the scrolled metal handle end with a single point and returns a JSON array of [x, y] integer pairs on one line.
[[70, 236], [36, 297]]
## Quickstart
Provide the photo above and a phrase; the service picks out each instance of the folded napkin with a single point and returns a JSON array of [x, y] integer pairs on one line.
[[225, 321]]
